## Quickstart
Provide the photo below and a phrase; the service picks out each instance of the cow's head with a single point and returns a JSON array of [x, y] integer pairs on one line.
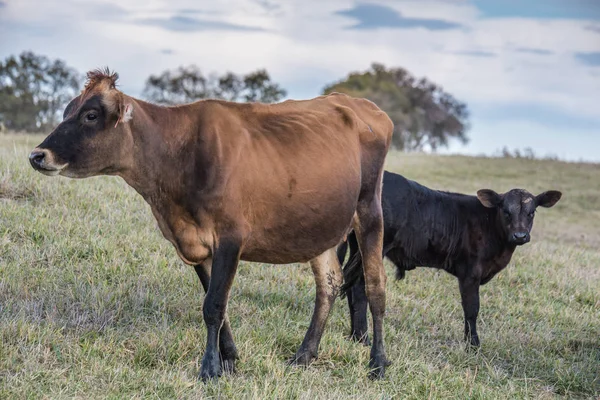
[[94, 137], [516, 210]]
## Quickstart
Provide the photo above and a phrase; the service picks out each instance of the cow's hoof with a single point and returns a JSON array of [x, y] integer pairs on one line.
[[360, 338], [377, 366], [302, 358], [473, 343], [228, 366], [211, 368]]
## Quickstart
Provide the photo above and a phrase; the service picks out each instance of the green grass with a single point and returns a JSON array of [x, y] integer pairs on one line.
[[94, 303]]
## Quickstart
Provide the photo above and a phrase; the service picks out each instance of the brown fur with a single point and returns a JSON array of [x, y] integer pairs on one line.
[[279, 183]]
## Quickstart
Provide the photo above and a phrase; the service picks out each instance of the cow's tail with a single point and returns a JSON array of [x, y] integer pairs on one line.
[[353, 269]]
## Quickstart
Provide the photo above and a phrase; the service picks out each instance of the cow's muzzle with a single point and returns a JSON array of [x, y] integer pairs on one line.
[[43, 161], [520, 238]]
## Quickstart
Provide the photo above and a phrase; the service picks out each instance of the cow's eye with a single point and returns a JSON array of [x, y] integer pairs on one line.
[[531, 214], [507, 214], [91, 116]]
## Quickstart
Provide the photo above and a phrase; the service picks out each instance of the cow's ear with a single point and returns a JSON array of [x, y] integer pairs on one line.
[[489, 198], [548, 199], [125, 111]]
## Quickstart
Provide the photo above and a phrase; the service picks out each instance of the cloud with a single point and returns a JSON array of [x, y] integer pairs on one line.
[[475, 53], [2, 4], [593, 28], [268, 5], [304, 46], [180, 23], [591, 59], [531, 50], [374, 16]]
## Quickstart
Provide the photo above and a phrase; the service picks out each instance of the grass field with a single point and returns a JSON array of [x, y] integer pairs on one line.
[[94, 303]]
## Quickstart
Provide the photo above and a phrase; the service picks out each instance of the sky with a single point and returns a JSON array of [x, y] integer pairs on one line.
[[529, 70]]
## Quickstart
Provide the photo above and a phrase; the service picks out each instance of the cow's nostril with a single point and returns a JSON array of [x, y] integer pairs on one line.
[[520, 235], [36, 157]]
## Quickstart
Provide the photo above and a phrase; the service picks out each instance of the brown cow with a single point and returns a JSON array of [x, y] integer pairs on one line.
[[279, 184]]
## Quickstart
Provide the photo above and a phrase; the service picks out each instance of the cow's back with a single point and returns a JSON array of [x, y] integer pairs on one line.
[[295, 165]]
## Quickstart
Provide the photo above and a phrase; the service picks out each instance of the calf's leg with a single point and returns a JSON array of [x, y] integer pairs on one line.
[[469, 293], [369, 233], [357, 302], [224, 266], [328, 279], [227, 350]]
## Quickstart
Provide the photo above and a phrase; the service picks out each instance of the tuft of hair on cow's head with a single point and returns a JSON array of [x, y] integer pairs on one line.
[[104, 83], [94, 137], [516, 210]]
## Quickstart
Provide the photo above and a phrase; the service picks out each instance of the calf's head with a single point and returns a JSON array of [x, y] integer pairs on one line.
[[516, 210], [94, 137]]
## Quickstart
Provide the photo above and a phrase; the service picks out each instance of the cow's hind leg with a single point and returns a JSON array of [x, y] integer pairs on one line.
[[227, 350], [368, 227], [328, 278]]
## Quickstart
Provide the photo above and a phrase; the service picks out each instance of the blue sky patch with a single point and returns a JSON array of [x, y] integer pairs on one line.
[[180, 23], [546, 115], [475, 53], [531, 50], [591, 59], [374, 16], [539, 9]]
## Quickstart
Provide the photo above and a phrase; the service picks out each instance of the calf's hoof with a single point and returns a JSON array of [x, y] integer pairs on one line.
[[302, 358], [211, 368], [377, 366]]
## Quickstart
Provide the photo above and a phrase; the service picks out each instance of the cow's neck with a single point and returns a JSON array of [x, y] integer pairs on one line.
[[166, 149], [498, 249]]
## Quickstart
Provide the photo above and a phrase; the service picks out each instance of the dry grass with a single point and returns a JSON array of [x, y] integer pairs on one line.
[[94, 303]]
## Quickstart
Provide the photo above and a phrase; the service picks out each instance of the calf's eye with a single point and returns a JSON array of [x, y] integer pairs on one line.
[[91, 116]]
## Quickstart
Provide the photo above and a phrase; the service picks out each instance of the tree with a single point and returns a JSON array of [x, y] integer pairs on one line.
[[34, 90], [187, 84], [424, 115]]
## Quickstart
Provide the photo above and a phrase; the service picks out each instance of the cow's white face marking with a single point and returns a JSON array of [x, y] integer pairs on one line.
[[527, 200]]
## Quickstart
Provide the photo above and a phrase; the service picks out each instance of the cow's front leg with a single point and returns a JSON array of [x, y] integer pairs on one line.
[[469, 292], [224, 266], [227, 350]]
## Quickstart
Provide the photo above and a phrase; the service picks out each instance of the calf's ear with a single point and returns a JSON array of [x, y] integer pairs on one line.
[[489, 198], [548, 199]]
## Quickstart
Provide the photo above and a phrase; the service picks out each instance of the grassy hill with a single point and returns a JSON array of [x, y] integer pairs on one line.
[[95, 303]]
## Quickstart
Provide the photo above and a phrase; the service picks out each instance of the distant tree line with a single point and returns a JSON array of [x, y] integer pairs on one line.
[[34, 91], [424, 115]]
